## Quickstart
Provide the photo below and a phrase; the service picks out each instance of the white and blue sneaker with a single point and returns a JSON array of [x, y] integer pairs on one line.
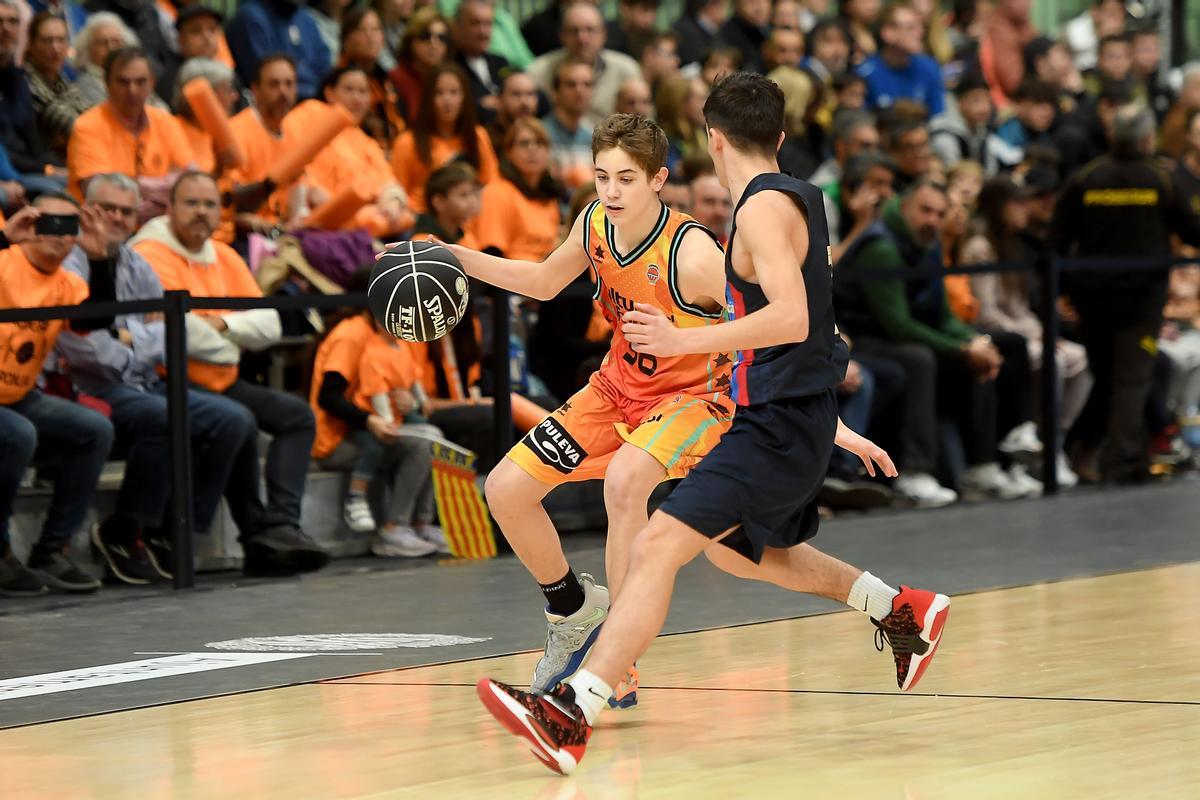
[[568, 639]]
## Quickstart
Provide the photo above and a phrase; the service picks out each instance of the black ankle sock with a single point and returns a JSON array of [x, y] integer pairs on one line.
[[565, 596]]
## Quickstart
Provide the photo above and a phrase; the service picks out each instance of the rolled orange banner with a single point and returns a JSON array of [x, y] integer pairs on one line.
[[212, 119], [324, 128], [335, 211]]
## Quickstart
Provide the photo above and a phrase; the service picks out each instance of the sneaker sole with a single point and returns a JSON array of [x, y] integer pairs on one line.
[[384, 550], [625, 703], [935, 623], [297, 560], [64, 586], [513, 716], [158, 565], [98, 543], [23, 592]]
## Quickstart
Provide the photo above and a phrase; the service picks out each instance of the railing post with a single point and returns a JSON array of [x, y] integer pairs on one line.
[[179, 442], [502, 372], [1050, 274]]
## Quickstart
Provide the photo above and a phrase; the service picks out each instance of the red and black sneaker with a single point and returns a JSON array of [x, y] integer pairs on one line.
[[913, 629], [552, 723]]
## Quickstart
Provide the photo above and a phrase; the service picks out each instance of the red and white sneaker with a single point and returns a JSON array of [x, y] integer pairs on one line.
[[553, 724], [913, 629]]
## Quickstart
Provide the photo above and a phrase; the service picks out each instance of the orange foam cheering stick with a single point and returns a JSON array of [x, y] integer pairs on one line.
[[212, 119], [335, 211], [323, 127]]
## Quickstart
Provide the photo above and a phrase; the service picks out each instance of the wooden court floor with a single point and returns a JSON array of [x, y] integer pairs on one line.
[[1087, 688]]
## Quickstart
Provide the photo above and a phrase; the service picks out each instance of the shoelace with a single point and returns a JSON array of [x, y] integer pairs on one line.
[[902, 643]]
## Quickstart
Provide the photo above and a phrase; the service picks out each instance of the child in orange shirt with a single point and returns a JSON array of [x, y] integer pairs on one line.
[[388, 388]]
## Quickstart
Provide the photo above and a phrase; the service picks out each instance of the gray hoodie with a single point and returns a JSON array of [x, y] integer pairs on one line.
[[98, 361]]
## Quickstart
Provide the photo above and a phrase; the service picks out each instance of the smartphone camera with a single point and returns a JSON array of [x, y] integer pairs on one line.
[[56, 225]]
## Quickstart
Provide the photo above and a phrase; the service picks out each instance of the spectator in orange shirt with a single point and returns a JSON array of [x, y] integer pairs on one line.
[[183, 253], [366, 394], [260, 205], [520, 214], [353, 158], [220, 78], [124, 134], [77, 439], [445, 130], [362, 44], [424, 46]]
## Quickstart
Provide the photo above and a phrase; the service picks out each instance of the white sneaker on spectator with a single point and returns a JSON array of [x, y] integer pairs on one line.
[[1067, 479], [1019, 477], [924, 490], [989, 482], [357, 512], [434, 535], [401, 541], [1022, 441]]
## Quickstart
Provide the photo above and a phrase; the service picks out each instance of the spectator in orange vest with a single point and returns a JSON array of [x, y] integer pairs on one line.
[[520, 214], [124, 134], [353, 158], [183, 253]]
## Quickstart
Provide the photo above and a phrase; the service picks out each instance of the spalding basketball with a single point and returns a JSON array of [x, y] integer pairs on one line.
[[418, 291]]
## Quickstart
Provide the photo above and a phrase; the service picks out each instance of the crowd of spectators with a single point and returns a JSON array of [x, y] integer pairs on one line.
[[943, 135]]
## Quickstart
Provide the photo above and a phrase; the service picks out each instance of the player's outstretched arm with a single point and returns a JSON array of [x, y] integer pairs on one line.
[[766, 224], [869, 452], [539, 280]]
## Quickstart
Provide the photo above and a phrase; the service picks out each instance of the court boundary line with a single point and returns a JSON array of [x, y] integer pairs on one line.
[[345, 679], [831, 692]]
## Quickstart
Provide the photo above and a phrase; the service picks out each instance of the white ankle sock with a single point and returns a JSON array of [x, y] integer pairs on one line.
[[872, 596], [591, 694]]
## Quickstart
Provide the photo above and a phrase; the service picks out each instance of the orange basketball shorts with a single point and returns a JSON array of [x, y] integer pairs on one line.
[[576, 442]]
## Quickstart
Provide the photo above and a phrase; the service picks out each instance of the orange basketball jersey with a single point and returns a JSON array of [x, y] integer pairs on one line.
[[647, 275]]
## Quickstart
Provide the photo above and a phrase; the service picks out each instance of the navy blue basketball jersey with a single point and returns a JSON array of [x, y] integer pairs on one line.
[[789, 370]]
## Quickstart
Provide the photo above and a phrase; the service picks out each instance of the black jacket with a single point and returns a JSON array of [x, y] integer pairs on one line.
[[748, 38], [694, 40], [18, 124], [1118, 207], [541, 31], [479, 89]]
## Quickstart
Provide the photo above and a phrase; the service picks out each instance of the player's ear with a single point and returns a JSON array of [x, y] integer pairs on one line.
[[779, 144], [658, 179]]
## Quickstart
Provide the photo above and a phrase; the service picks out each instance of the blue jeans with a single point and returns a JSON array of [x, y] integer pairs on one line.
[[221, 429], [58, 433]]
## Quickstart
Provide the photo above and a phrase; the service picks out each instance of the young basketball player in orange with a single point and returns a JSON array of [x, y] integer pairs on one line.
[[640, 419], [755, 492]]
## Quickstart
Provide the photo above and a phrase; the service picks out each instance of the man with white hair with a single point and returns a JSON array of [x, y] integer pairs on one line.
[[583, 37], [103, 33], [122, 366]]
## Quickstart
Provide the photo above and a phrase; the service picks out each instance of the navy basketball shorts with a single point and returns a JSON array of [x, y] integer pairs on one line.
[[763, 477]]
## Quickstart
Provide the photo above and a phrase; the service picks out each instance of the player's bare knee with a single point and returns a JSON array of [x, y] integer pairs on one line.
[[664, 543], [504, 490]]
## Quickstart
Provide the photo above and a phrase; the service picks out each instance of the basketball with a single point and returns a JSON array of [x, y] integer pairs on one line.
[[418, 291]]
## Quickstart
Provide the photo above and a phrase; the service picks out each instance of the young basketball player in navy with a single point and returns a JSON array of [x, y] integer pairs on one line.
[[755, 492]]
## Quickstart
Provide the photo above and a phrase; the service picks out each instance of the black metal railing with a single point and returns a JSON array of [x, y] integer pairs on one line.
[[175, 305]]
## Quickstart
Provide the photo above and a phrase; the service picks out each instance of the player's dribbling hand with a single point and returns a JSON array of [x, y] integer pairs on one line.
[[649, 330], [867, 451]]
